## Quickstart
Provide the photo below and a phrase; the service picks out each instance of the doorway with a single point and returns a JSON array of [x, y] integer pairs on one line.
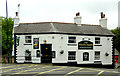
[[46, 51]]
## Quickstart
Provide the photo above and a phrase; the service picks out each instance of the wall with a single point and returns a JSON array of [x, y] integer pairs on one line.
[[60, 42]]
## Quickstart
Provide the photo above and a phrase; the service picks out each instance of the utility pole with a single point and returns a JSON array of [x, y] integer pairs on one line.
[[7, 30]]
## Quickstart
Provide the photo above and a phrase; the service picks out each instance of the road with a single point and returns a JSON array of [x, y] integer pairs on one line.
[[49, 69]]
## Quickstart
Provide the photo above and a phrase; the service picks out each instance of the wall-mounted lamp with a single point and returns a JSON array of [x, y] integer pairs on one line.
[[62, 51], [106, 54]]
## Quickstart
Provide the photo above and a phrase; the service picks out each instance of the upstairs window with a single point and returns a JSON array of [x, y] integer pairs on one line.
[[36, 43], [71, 55], [27, 39], [97, 40], [97, 55], [72, 40]]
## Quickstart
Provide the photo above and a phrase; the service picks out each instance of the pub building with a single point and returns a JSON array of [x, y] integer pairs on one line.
[[59, 42]]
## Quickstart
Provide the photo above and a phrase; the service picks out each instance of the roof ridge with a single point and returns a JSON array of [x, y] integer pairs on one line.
[[47, 22], [90, 25]]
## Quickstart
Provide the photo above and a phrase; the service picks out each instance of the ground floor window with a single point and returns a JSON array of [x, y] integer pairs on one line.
[[27, 55], [71, 55], [97, 55], [85, 56], [38, 53], [53, 54]]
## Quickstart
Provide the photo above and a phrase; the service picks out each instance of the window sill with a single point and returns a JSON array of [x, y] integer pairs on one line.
[[72, 44], [97, 60], [97, 45], [27, 44]]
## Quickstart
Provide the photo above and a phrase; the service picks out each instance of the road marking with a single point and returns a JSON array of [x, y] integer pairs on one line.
[[30, 70], [103, 70], [99, 73], [49, 71], [87, 71], [11, 66], [16, 68], [74, 71]]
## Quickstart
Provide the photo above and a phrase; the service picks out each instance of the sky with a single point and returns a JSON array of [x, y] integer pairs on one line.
[[62, 10]]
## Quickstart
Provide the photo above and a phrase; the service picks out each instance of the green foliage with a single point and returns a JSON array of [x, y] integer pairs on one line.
[[4, 36], [117, 38]]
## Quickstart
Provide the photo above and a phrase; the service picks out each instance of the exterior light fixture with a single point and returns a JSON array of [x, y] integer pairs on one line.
[[53, 37], [62, 51], [106, 54]]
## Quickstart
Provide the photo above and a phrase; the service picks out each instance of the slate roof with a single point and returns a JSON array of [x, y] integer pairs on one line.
[[59, 27]]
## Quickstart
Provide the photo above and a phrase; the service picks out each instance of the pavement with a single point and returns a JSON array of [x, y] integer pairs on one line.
[[57, 70]]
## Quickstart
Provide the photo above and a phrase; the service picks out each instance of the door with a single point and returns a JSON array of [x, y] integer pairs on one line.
[[46, 51]]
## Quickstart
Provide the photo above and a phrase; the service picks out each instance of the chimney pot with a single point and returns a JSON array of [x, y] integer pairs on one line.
[[102, 15], [16, 13], [78, 14]]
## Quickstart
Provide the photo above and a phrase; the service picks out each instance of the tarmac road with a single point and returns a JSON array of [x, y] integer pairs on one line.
[[49, 69]]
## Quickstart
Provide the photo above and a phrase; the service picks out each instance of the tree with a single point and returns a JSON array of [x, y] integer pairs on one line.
[[4, 36], [117, 40]]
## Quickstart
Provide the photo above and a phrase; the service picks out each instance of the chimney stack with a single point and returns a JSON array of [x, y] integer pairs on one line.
[[103, 21], [16, 20], [77, 19]]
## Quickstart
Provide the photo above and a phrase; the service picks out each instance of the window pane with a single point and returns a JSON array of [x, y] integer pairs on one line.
[[71, 55], [27, 39], [53, 54], [97, 55], [17, 41], [38, 53], [86, 56], [72, 40], [72, 37], [36, 43], [97, 40]]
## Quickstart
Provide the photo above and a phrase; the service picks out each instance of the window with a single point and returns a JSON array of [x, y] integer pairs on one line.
[[97, 55], [72, 40], [38, 53], [28, 55], [85, 56], [71, 55], [27, 39], [17, 41], [36, 43], [97, 40], [53, 54]]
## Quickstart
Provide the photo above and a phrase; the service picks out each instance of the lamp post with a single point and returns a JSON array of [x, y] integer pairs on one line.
[[7, 30]]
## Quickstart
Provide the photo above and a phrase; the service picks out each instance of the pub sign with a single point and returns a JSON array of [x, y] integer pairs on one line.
[[85, 45]]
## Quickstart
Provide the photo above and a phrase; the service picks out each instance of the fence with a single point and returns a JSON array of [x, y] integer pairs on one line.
[[7, 59]]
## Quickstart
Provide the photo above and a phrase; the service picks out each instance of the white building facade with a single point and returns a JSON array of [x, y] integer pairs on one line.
[[56, 42]]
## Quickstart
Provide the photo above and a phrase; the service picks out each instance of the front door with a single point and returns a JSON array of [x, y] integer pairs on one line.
[[46, 51]]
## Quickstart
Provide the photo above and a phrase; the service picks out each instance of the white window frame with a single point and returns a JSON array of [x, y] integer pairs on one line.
[[28, 39]]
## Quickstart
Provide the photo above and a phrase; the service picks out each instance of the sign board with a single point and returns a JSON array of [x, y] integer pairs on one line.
[[85, 45]]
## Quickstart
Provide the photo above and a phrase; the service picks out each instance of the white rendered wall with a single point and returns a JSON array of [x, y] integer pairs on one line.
[[60, 42]]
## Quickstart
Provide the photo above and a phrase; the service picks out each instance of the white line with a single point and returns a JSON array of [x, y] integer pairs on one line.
[[74, 71], [100, 73]]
